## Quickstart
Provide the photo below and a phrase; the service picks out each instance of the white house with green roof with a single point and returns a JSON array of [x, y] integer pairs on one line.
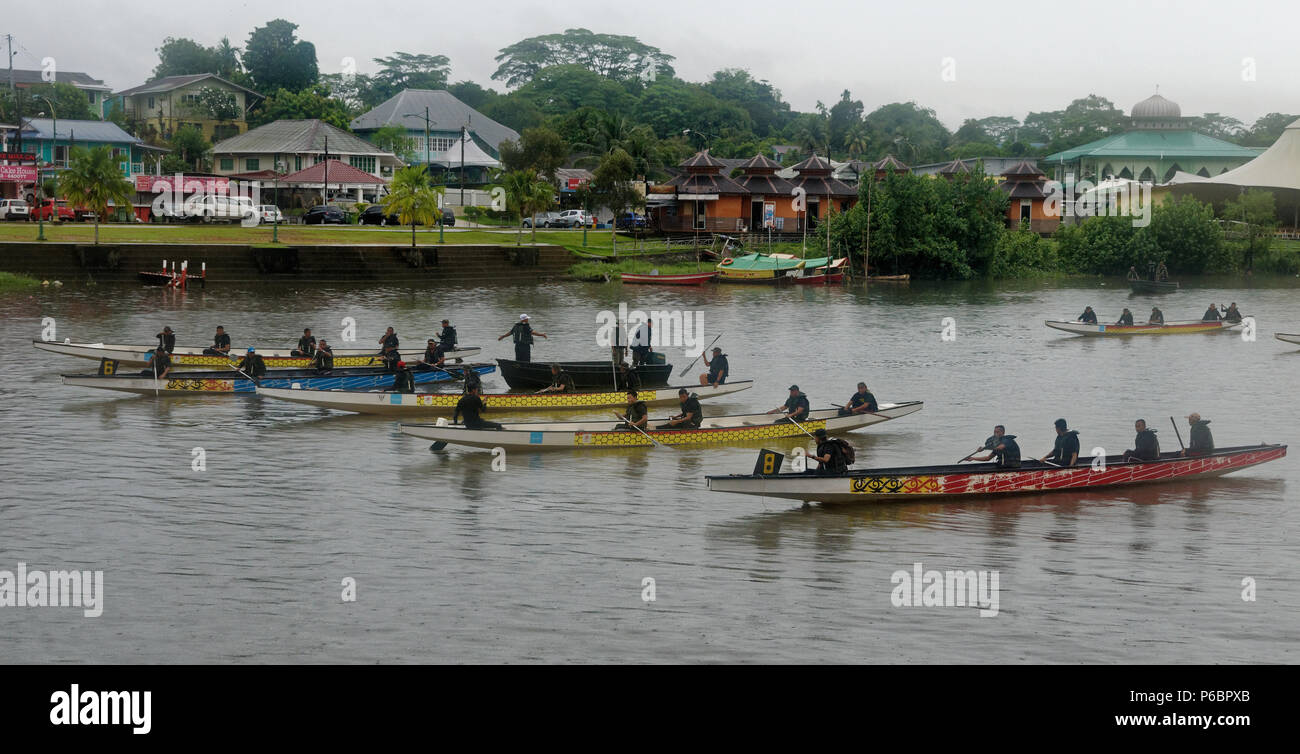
[[447, 116], [1159, 144], [296, 145]]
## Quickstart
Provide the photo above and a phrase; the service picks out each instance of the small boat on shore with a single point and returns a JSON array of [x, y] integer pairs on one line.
[[1168, 328], [716, 430], [692, 278], [824, 274], [587, 375], [425, 404], [986, 479], [1153, 286], [275, 358], [759, 268], [230, 381], [888, 278], [1287, 337]]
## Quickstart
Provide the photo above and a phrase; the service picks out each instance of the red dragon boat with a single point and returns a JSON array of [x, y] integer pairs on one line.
[[692, 278], [986, 479]]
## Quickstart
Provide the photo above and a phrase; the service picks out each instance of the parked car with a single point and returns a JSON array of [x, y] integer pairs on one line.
[[325, 214], [46, 210], [223, 208], [374, 215], [544, 220], [574, 218], [448, 217], [630, 221], [269, 213], [13, 209]]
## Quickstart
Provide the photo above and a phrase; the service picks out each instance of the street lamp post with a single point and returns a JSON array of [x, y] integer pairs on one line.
[[427, 123], [278, 168], [54, 146]]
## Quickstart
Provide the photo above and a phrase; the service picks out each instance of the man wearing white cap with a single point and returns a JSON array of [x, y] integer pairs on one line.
[[523, 335]]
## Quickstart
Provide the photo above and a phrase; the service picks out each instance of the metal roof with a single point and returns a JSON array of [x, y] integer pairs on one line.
[[76, 78], [447, 113], [297, 137], [80, 130], [1156, 143], [171, 83]]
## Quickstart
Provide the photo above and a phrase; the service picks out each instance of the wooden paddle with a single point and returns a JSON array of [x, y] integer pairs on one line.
[[973, 452], [697, 358], [633, 426], [1178, 434]]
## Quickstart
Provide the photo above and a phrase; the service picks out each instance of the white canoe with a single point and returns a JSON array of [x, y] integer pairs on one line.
[[425, 404], [1169, 328], [1287, 337], [602, 434], [275, 358]]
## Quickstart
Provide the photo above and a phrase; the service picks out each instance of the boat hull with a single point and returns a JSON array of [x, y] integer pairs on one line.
[[699, 278], [587, 375], [194, 358], [986, 480], [189, 383], [1287, 337], [837, 277], [1169, 328], [1152, 286], [718, 430], [427, 404]]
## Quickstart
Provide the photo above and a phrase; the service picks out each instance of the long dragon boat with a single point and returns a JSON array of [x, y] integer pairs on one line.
[[987, 479], [587, 375], [1169, 328], [191, 358], [715, 430], [425, 404], [689, 278], [230, 381], [1287, 337]]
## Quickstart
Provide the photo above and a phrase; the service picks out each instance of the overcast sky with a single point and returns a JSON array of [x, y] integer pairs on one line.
[[1006, 58]]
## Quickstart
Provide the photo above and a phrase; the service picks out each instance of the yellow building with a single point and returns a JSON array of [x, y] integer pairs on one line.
[[158, 109]]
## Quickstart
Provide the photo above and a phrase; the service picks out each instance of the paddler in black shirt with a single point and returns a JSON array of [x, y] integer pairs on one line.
[[252, 364], [1157, 317], [1211, 314], [1088, 316], [561, 382], [718, 369], [472, 380], [1233, 314], [388, 345], [306, 344], [795, 407], [160, 363], [1145, 446], [831, 455], [861, 402], [1199, 440], [628, 379], [220, 344], [472, 406], [1125, 319], [324, 358], [404, 379], [432, 357], [166, 340], [1066, 451], [523, 333], [446, 338], [637, 415], [691, 416], [1002, 447]]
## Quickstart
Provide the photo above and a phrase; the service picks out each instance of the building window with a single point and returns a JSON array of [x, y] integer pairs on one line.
[[297, 163], [252, 164], [362, 163], [61, 156], [151, 103], [1026, 211], [701, 219], [227, 163]]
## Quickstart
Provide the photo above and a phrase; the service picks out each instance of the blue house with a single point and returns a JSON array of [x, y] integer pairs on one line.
[[54, 149]]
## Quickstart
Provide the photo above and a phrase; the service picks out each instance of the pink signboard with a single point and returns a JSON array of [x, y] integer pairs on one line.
[[18, 173], [187, 184]]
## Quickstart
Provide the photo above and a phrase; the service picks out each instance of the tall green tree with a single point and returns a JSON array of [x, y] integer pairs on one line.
[[190, 148], [612, 183], [412, 198], [611, 56], [276, 59], [540, 151], [1253, 217], [1267, 130], [312, 103], [527, 196], [404, 70], [93, 180]]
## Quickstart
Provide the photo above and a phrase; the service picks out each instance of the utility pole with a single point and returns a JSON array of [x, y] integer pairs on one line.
[[18, 105], [325, 182], [464, 134]]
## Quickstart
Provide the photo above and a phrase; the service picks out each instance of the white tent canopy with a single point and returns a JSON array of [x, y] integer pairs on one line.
[[474, 156], [1278, 167]]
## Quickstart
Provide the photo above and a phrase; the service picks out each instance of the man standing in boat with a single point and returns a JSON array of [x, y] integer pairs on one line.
[[637, 416], [472, 406], [861, 402], [388, 348], [252, 364], [403, 379], [561, 382], [1199, 440], [220, 344], [1002, 447], [641, 343], [691, 416], [1066, 451], [1089, 316], [1157, 317], [523, 333], [306, 344], [1145, 446], [718, 369], [795, 407], [1212, 314], [1162, 273], [166, 340], [446, 338], [324, 357], [1125, 319]]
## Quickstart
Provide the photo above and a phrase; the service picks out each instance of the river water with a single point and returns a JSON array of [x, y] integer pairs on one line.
[[546, 561]]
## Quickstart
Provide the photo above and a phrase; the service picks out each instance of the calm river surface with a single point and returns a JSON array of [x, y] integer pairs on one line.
[[544, 562]]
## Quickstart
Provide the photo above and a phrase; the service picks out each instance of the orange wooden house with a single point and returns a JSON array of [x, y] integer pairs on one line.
[[701, 199], [822, 192], [1026, 186]]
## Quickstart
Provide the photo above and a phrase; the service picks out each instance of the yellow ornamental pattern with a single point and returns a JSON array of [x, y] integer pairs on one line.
[[632, 438], [275, 362], [545, 400], [216, 386], [894, 485]]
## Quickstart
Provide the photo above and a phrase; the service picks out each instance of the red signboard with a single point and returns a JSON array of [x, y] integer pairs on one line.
[[18, 173], [184, 184], [18, 156], [575, 183]]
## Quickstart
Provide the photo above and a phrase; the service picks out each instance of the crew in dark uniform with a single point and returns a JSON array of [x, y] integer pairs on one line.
[[1199, 440], [561, 382], [1002, 448], [432, 356], [628, 379], [861, 402], [718, 369], [220, 344], [403, 379], [160, 363], [1157, 317], [471, 405], [1232, 314], [523, 334], [472, 379], [637, 414], [388, 349], [1145, 446], [691, 416], [446, 338], [795, 407], [166, 340], [1162, 272], [1125, 319], [641, 340], [1133, 273], [323, 361], [1211, 314], [1066, 450], [252, 364], [831, 455], [1088, 316], [306, 344]]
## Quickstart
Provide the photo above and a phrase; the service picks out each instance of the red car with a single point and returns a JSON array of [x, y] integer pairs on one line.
[[44, 210]]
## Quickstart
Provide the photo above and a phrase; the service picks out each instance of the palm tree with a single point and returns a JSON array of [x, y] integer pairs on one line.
[[528, 195], [412, 199], [856, 140], [93, 180]]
